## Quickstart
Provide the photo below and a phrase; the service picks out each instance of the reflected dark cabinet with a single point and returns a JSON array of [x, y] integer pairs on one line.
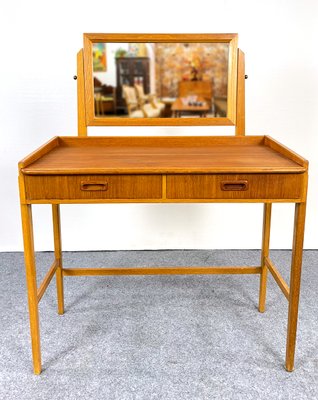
[[129, 71]]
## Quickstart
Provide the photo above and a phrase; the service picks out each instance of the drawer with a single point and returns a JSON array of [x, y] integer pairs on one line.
[[235, 186], [39, 187]]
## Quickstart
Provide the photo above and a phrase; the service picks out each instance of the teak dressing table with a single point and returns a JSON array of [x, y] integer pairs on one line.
[[71, 170]]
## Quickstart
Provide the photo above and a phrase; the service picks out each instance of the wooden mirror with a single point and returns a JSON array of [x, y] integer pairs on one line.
[[160, 79]]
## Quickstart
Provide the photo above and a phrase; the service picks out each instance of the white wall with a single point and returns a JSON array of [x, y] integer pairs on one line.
[[109, 77], [39, 41]]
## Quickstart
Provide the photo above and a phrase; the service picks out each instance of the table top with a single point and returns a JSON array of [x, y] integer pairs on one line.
[[179, 105], [168, 100], [148, 155]]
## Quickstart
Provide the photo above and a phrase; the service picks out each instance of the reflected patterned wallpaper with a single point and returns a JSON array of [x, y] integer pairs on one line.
[[190, 61]]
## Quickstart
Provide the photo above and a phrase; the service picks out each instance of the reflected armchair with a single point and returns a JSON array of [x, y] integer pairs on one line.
[[104, 97], [148, 98], [133, 108]]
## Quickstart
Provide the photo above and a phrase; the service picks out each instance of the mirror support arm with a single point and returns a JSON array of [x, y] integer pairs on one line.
[[81, 110], [240, 94]]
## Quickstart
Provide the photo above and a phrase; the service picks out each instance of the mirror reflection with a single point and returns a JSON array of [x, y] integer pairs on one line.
[[160, 80]]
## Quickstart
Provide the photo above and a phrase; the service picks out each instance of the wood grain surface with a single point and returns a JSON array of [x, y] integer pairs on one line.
[[163, 169], [149, 155], [114, 187], [205, 186]]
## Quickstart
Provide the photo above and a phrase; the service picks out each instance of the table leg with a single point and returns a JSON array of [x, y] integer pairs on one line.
[[265, 252], [295, 276], [58, 257], [29, 257]]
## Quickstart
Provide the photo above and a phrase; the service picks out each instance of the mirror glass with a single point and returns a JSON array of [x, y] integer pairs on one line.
[[160, 80]]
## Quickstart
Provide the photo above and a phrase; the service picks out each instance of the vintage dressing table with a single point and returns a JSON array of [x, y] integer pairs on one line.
[[211, 169]]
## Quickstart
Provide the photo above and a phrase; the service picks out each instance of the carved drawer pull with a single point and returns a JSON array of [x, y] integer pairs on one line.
[[234, 185], [94, 186]]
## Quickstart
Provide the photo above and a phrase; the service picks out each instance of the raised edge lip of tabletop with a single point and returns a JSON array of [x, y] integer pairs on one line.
[[265, 140], [157, 171]]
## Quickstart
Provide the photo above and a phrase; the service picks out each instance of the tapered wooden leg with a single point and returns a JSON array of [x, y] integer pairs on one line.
[[265, 253], [295, 276], [29, 258], [58, 257]]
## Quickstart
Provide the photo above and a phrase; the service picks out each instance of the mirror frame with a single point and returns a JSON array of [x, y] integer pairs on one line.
[[92, 120]]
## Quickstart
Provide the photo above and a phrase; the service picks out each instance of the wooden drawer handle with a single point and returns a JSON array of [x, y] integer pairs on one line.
[[234, 185], [94, 186]]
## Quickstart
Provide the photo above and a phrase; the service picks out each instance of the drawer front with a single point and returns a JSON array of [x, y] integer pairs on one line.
[[93, 187], [230, 186]]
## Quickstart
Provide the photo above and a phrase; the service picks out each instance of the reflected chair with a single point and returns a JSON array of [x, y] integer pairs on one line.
[[104, 97], [220, 104], [150, 111], [98, 104], [133, 108], [148, 98]]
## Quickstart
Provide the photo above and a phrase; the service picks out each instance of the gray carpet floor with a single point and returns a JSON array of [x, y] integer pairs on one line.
[[158, 337]]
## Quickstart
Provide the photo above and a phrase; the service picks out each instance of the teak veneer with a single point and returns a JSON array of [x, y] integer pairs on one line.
[[162, 169], [148, 155]]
